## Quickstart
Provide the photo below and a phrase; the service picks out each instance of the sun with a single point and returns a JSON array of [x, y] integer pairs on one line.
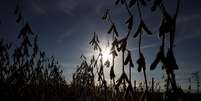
[[106, 54]]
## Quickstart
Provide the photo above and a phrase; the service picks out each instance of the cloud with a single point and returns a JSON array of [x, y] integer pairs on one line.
[[145, 46], [67, 6], [37, 7], [62, 37]]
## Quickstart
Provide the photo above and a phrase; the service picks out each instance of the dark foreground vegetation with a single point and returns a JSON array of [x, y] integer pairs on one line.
[[28, 74]]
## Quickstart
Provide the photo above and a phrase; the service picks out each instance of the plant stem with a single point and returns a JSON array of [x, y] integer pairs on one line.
[[139, 11], [167, 86], [130, 73], [113, 69], [145, 78], [123, 61], [139, 46], [127, 8], [152, 88], [173, 81]]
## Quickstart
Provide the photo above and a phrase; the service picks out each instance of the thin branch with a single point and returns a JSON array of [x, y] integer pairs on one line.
[[127, 8], [177, 9], [139, 10], [139, 46]]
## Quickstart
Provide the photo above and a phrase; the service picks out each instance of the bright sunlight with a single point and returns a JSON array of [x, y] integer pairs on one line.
[[106, 54]]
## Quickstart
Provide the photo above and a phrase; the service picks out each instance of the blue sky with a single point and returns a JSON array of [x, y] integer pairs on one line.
[[65, 28]]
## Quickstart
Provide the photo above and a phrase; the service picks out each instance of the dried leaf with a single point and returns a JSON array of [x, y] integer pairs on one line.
[[99, 77], [113, 29], [122, 77], [145, 28], [105, 15], [123, 44], [131, 64], [115, 43], [16, 9], [93, 39], [110, 30], [162, 29], [141, 63], [159, 57], [172, 65], [139, 30], [132, 2], [92, 59], [130, 22], [107, 63], [140, 27], [112, 75], [129, 60], [100, 73], [29, 30], [166, 25], [97, 40], [19, 17], [83, 57], [114, 53], [42, 54]]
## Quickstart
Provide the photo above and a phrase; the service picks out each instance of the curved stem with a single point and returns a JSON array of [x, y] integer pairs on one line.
[[123, 62], [139, 46], [109, 18], [173, 81], [163, 41], [130, 73], [177, 9], [145, 78], [127, 8], [129, 31], [139, 10], [167, 86], [113, 69], [111, 22]]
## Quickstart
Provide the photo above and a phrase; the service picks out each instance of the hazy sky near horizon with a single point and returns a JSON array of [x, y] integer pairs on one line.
[[65, 28]]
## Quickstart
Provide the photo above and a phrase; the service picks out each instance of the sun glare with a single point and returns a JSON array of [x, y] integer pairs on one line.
[[106, 54]]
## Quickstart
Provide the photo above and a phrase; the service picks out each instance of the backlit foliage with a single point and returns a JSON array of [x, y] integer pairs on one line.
[[26, 72], [122, 88]]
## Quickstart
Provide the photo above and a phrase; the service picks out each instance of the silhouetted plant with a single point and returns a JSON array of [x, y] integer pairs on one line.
[[26, 73], [83, 79], [196, 77], [101, 77], [165, 56], [189, 87], [168, 26]]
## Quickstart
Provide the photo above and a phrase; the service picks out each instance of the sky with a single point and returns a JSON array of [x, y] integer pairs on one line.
[[65, 28]]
